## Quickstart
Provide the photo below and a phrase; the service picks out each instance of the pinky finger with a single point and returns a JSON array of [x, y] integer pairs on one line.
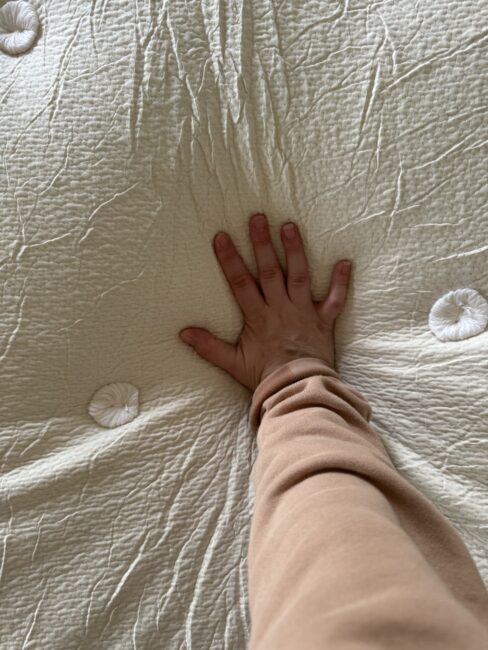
[[330, 308]]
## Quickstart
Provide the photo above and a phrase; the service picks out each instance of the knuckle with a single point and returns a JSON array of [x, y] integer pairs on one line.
[[298, 279], [269, 272], [335, 303], [241, 280]]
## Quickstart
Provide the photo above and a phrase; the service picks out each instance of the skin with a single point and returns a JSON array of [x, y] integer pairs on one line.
[[282, 322]]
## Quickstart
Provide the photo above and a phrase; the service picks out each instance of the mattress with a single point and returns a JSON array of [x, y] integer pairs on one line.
[[129, 135]]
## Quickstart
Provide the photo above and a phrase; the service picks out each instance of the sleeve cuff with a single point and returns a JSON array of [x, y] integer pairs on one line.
[[286, 374]]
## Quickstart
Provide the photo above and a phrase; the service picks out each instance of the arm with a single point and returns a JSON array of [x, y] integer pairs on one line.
[[344, 552]]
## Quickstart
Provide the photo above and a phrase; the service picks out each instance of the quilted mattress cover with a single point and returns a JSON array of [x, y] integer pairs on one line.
[[129, 135]]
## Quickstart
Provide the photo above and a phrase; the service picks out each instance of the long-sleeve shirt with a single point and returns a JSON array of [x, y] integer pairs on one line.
[[344, 552]]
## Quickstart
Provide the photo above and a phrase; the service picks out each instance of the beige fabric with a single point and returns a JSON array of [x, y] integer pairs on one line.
[[344, 552], [130, 134]]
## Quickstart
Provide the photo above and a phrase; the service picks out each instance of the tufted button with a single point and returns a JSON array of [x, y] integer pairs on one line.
[[458, 315], [19, 26], [114, 404]]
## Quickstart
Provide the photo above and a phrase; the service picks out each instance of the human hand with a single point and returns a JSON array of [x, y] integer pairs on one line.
[[281, 320]]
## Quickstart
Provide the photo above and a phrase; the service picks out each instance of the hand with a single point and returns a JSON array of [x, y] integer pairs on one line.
[[281, 321]]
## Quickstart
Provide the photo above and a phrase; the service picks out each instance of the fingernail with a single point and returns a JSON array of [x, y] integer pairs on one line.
[[222, 241], [186, 336], [345, 267], [259, 221], [289, 230]]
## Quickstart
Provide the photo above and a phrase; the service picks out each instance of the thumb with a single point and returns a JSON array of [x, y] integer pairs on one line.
[[209, 347]]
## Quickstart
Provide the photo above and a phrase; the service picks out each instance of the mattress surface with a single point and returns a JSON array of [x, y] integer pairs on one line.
[[129, 135]]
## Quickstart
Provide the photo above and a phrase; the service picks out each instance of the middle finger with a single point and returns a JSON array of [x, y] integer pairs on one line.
[[269, 269]]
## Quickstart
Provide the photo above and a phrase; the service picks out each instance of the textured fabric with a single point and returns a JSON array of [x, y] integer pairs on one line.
[[130, 134], [344, 552]]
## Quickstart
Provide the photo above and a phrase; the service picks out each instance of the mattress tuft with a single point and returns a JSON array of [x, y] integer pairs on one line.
[[19, 26]]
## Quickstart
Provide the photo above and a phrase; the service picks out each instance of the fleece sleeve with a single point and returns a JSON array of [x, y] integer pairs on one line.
[[344, 552]]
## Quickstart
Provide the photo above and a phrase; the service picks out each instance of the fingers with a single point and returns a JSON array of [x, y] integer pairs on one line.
[[270, 272], [237, 274], [209, 347], [298, 279], [336, 298]]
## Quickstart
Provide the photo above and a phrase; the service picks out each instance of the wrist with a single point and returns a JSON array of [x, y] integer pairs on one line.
[[283, 375], [285, 361]]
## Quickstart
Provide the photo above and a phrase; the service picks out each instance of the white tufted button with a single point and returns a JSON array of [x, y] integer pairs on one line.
[[19, 26], [458, 315], [114, 404]]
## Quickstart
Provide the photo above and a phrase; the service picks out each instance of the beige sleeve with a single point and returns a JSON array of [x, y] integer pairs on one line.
[[344, 552]]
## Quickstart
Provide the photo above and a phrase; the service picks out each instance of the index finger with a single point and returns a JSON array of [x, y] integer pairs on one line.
[[241, 281]]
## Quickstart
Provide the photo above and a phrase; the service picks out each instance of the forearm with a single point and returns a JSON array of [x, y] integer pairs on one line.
[[342, 546]]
